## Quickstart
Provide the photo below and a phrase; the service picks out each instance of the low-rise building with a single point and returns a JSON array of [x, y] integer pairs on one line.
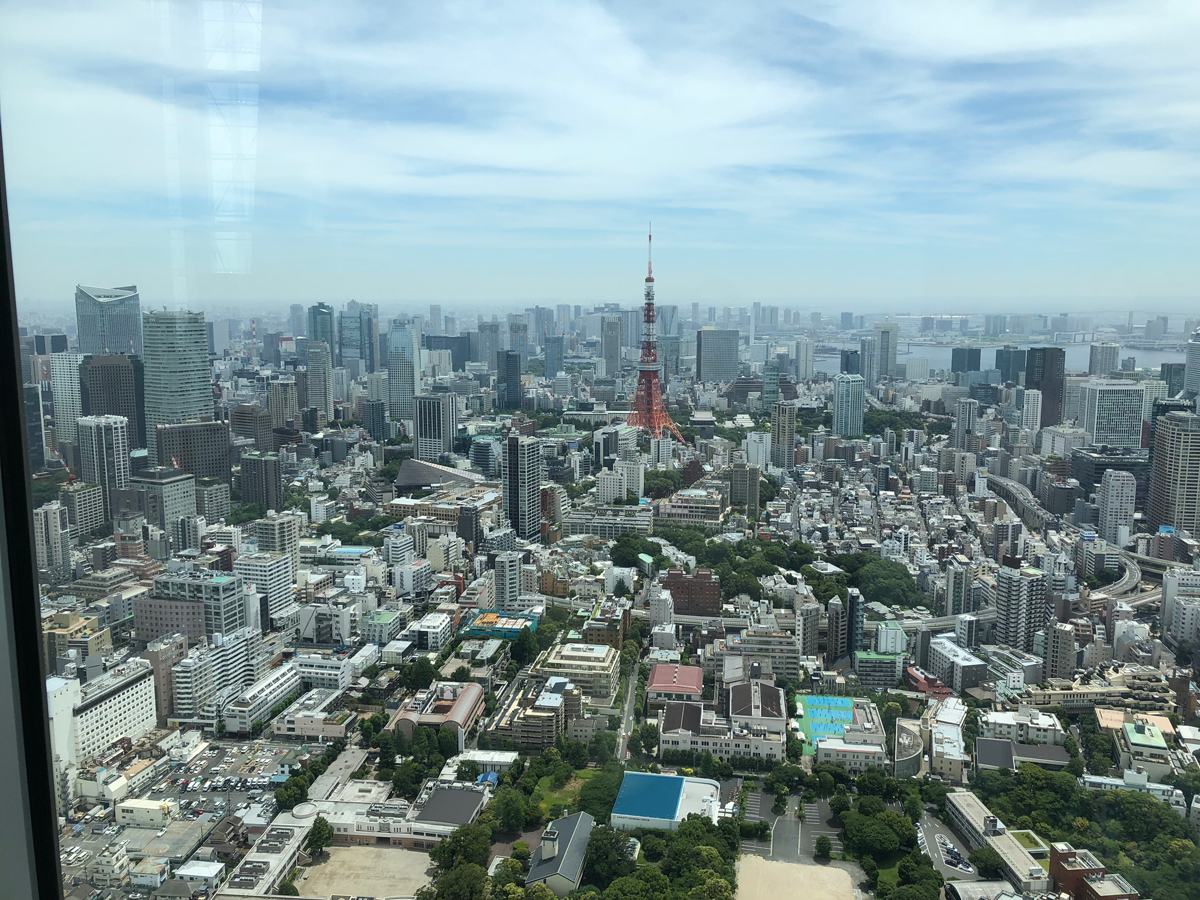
[[443, 705], [1078, 874], [1142, 747], [593, 668], [558, 861], [690, 728], [146, 813], [534, 717], [1139, 782], [315, 716], [669, 683], [955, 666], [942, 737], [862, 744], [974, 821], [879, 671], [1026, 725], [254, 704]]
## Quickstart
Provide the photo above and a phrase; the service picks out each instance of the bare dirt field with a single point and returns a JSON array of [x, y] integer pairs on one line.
[[366, 872], [765, 879]]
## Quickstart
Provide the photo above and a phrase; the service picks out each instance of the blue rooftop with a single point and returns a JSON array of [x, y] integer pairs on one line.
[[649, 796]]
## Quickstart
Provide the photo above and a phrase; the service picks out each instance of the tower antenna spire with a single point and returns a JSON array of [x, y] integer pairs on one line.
[[650, 251]]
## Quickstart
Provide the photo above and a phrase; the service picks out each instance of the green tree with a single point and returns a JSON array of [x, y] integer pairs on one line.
[[468, 881], [287, 889], [509, 807], [599, 793], [839, 803], [320, 835], [607, 856], [525, 648], [987, 862], [467, 770], [461, 674], [466, 845], [824, 847]]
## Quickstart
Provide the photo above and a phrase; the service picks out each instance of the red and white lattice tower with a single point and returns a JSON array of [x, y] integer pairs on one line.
[[649, 411]]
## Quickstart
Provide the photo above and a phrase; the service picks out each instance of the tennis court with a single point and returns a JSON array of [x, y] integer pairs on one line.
[[824, 716]]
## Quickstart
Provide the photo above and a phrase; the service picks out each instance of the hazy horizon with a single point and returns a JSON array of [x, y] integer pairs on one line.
[[939, 159]]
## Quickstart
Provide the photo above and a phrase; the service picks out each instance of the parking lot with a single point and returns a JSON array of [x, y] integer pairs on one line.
[[818, 820], [930, 830]]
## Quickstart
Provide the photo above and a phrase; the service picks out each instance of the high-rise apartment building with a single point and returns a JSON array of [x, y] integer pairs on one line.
[[1112, 412], [436, 425], [248, 420], [783, 435], [271, 575], [960, 579], [104, 456], [109, 319], [837, 643], [610, 345], [849, 399], [214, 673], [1116, 497], [1022, 605], [114, 385], [803, 352], [319, 378], [1045, 371], [1175, 477], [51, 536], [283, 402], [508, 581], [966, 412], [716, 355], [164, 653], [1104, 359], [261, 480], [279, 533], [522, 484], [1031, 410], [887, 339], [178, 381], [1060, 650], [64, 387], [868, 361]]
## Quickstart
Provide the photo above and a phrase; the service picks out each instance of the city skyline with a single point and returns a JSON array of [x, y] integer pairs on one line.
[[918, 160]]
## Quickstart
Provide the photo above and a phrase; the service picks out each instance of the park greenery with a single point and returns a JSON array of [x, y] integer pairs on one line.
[[295, 789], [882, 580]]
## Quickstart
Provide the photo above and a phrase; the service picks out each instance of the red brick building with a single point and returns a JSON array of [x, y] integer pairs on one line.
[[694, 595]]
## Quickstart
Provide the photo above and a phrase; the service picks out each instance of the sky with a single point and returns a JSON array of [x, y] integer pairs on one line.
[[880, 157]]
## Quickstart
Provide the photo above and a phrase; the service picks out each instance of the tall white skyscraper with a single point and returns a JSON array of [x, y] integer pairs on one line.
[[104, 455], [966, 411], [1021, 606], [64, 387], [507, 582], [1115, 497], [1191, 372], [178, 377], [868, 361], [319, 373], [522, 484], [1152, 389], [1031, 411], [109, 319], [849, 398], [804, 359], [1112, 412], [51, 536], [1104, 359], [436, 425]]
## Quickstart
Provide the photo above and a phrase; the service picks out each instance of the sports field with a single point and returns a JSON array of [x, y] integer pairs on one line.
[[823, 716]]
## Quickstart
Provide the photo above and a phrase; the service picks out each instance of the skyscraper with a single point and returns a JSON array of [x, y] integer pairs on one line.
[[374, 418], [507, 581], [178, 380], [436, 425], [716, 355], [1112, 412], [297, 320], [1174, 374], [51, 536], [261, 480], [1010, 361], [1021, 605], [115, 385], [783, 435], [1116, 496], [850, 362], [522, 484], [64, 387], [283, 402], [509, 393], [964, 359], [1060, 651], [35, 427], [1045, 371], [321, 326], [868, 361], [319, 377], [610, 345], [959, 593], [199, 448], [849, 398], [804, 359], [887, 337], [358, 341], [489, 343], [1103, 359], [1191, 373], [402, 369], [770, 384], [104, 455], [109, 319], [1175, 477], [554, 354], [965, 413], [1031, 411], [435, 318]]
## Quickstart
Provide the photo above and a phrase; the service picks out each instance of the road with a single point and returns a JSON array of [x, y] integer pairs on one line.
[[627, 716], [931, 827]]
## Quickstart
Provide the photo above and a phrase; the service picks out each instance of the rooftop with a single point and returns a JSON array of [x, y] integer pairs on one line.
[[451, 806], [1142, 736], [676, 678], [649, 796]]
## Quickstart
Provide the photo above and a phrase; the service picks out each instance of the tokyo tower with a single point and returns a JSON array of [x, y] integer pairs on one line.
[[649, 411]]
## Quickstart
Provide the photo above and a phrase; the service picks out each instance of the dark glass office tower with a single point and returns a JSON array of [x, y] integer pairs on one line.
[[1046, 371]]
